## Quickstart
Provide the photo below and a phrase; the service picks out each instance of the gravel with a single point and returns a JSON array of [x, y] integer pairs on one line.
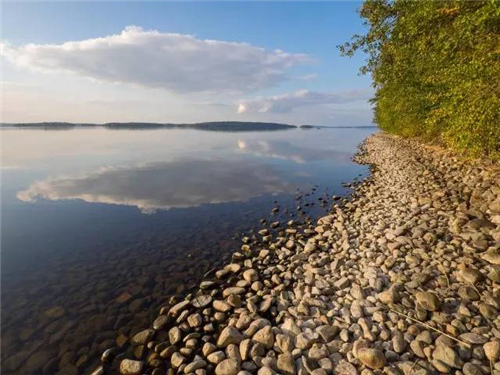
[[401, 278]]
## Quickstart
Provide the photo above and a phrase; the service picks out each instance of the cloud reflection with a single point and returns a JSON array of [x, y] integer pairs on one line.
[[287, 151], [155, 186]]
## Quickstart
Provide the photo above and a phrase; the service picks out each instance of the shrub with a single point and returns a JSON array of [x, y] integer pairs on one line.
[[436, 70]]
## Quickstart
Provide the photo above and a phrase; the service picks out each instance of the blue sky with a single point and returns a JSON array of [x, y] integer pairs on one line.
[[307, 82]]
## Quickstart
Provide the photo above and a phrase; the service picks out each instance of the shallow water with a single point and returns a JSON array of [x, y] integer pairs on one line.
[[101, 227]]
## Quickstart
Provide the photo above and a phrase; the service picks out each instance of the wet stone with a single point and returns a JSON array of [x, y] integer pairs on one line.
[[328, 296], [143, 337], [160, 322], [201, 301], [55, 312]]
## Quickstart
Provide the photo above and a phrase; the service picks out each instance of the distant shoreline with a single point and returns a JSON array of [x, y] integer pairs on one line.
[[208, 126]]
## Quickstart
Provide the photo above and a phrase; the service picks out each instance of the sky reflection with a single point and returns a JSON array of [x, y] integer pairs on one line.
[[285, 150], [175, 184]]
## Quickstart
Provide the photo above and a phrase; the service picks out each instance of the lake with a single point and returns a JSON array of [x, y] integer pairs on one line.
[[101, 227]]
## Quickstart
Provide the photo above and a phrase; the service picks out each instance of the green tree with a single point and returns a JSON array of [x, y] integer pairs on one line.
[[436, 70]]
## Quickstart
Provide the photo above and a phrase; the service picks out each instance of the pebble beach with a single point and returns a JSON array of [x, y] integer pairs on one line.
[[401, 278]]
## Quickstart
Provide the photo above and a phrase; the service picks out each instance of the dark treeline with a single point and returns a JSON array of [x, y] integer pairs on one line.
[[226, 126], [436, 69]]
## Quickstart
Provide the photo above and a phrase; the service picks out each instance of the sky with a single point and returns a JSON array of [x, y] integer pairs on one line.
[[182, 62]]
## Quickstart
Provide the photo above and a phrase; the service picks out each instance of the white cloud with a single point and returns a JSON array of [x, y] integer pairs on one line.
[[288, 102], [175, 62]]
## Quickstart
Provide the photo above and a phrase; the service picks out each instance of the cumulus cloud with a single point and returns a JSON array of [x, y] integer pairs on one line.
[[302, 98], [176, 62]]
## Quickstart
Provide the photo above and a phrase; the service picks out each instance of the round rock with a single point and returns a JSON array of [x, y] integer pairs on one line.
[[130, 367], [428, 301], [372, 358], [228, 367]]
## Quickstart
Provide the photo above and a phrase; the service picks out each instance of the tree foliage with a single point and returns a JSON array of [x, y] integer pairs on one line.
[[436, 70]]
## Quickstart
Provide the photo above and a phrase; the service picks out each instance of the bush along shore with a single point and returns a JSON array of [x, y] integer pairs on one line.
[[403, 278], [432, 64]]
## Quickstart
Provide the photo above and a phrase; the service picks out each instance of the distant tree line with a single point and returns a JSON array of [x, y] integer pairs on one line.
[[436, 70], [225, 126]]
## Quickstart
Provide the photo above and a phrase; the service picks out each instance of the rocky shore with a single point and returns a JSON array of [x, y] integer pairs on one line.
[[402, 278]]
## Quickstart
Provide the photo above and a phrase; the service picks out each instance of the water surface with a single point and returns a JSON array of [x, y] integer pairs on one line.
[[101, 227]]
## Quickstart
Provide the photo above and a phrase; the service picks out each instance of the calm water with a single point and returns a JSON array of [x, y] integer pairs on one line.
[[101, 227]]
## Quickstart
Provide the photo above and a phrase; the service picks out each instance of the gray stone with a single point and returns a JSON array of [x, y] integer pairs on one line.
[[143, 337]]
